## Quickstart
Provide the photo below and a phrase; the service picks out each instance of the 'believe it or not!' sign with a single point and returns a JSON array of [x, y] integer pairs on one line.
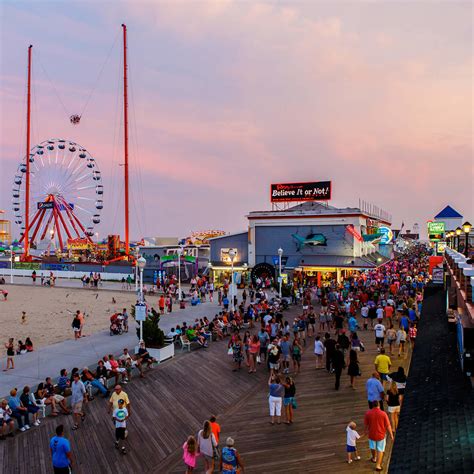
[[289, 192]]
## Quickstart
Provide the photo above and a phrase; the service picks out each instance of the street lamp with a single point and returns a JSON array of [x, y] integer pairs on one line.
[[97, 237], [466, 227], [137, 250], [141, 263], [280, 253], [179, 252], [232, 255], [458, 233], [11, 263]]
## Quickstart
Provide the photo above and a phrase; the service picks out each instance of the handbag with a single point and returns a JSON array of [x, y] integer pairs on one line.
[[259, 359], [230, 351]]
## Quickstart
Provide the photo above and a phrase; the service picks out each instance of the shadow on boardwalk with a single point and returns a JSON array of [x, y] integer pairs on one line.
[[174, 400]]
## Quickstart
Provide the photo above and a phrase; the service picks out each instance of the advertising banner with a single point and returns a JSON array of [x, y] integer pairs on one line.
[[387, 235], [436, 231], [289, 192], [78, 244]]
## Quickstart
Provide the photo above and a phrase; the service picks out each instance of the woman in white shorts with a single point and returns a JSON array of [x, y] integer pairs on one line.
[[393, 402], [275, 398]]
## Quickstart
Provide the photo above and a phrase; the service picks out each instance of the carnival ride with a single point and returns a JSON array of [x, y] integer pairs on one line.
[[58, 190], [66, 193]]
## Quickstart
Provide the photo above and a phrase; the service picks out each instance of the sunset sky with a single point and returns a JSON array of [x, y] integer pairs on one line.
[[228, 96]]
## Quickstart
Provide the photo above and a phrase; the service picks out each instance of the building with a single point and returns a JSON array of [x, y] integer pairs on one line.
[[319, 242], [451, 218], [5, 230]]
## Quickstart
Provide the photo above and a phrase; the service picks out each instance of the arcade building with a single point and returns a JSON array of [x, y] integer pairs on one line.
[[319, 242]]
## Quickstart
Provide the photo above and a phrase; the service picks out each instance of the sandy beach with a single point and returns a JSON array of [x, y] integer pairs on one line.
[[50, 312]]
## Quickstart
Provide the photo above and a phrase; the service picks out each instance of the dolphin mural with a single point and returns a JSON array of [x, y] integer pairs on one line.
[[310, 241]]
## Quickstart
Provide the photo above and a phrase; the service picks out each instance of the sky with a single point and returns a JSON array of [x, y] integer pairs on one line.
[[227, 97]]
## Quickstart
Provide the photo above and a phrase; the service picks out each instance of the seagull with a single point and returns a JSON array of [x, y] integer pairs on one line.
[[67, 295], [97, 295], [113, 300]]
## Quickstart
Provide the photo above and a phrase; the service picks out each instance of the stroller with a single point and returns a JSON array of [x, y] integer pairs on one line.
[[116, 324]]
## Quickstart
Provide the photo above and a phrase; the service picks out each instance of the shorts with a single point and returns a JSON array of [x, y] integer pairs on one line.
[[379, 340], [285, 358], [394, 409], [351, 449], [120, 433], [383, 376], [77, 329], [377, 445], [296, 357], [58, 398], [77, 408], [61, 470], [274, 366], [289, 401]]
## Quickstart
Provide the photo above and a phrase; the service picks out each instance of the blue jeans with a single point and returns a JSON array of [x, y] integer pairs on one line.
[[21, 417], [98, 386]]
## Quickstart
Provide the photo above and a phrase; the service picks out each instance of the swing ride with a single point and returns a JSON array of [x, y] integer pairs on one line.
[[57, 193]]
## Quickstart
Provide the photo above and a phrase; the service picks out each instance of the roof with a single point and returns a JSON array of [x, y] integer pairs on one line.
[[228, 235], [437, 417], [448, 213]]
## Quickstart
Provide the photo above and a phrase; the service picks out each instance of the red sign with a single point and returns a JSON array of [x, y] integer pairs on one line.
[[290, 192]]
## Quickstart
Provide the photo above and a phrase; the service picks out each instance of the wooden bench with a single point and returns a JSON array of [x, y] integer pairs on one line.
[[186, 343]]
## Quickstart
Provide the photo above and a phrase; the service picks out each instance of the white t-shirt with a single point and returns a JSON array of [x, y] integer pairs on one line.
[[364, 311], [352, 436], [206, 444], [379, 313], [267, 318], [318, 348], [121, 414], [379, 330]]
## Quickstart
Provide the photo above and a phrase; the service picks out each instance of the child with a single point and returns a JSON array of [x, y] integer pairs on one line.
[[120, 416], [23, 317], [352, 437], [190, 453]]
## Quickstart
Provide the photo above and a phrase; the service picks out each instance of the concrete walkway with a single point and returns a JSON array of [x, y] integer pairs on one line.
[[32, 368]]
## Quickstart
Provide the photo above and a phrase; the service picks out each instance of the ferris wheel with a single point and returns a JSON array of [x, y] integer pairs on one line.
[[65, 192]]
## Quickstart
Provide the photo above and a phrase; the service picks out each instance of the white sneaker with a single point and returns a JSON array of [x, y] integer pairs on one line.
[[22, 428], [27, 427], [36, 423]]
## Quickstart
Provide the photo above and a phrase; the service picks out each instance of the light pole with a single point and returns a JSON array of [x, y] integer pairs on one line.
[[466, 227], [97, 237], [458, 234], [137, 250], [280, 253], [11, 263], [232, 255], [179, 252], [141, 262]]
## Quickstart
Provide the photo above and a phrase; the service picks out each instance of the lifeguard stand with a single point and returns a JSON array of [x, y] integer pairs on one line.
[[5, 230]]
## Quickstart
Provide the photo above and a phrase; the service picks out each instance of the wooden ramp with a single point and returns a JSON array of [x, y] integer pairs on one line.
[[173, 401]]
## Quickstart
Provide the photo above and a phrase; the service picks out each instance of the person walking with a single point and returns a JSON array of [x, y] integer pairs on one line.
[[382, 364], [190, 454], [277, 391], [400, 379], [319, 352], [237, 355], [10, 347], [76, 326], [207, 443], [120, 416], [338, 363], [375, 391], [393, 403], [230, 462], [353, 370], [77, 400], [60, 449], [254, 348], [330, 346], [376, 426], [296, 352]]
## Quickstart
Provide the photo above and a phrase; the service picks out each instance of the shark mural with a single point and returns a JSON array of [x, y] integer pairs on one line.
[[310, 241]]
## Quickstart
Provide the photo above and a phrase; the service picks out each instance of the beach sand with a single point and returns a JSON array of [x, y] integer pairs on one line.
[[50, 311]]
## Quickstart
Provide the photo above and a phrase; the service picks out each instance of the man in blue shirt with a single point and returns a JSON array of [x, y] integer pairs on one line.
[[61, 452], [375, 391], [404, 322], [412, 315], [19, 412]]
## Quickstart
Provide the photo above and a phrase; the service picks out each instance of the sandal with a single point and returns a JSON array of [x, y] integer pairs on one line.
[[75, 427]]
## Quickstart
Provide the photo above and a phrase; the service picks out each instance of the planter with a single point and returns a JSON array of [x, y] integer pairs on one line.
[[162, 354]]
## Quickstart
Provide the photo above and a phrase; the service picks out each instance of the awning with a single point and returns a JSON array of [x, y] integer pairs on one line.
[[339, 261]]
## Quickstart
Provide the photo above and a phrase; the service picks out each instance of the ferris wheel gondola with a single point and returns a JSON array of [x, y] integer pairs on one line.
[[65, 192]]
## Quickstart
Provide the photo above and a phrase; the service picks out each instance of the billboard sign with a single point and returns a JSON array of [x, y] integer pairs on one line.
[[436, 230], [387, 235], [290, 192], [225, 257]]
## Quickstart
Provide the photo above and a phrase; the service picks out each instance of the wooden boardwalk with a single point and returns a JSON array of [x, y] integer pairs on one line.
[[175, 399]]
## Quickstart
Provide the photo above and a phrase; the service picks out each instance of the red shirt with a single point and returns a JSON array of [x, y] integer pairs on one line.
[[377, 423]]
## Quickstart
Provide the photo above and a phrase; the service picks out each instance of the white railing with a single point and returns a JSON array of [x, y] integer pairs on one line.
[[6, 272]]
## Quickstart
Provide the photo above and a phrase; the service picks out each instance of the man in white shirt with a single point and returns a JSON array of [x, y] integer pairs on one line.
[[379, 329], [380, 313], [319, 352]]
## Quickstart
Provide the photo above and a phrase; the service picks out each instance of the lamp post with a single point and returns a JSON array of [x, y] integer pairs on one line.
[[458, 233], [141, 263], [137, 250], [280, 253], [466, 227], [232, 254], [179, 252], [11, 263]]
